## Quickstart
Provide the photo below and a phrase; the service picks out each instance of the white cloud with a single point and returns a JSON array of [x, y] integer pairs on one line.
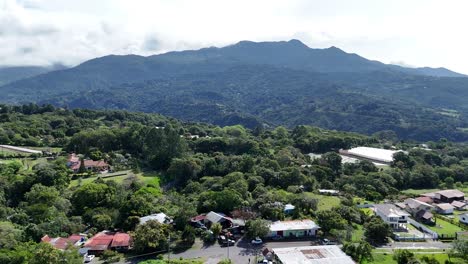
[[419, 32]]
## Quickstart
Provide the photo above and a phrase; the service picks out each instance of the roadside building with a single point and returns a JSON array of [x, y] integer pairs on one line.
[[311, 255], [106, 240], [463, 218], [425, 217], [293, 228], [391, 215], [444, 208]]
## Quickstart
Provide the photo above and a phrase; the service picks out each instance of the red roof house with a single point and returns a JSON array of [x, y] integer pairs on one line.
[[121, 241], [62, 243], [74, 163], [107, 240]]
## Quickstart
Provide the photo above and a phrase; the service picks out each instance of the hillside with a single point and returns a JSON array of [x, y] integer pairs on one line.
[[272, 83], [11, 74]]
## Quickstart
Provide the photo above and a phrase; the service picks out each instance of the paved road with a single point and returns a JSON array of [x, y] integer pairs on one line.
[[243, 251]]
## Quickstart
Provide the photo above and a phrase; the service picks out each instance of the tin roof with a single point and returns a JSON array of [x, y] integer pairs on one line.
[[293, 225], [312, 255]]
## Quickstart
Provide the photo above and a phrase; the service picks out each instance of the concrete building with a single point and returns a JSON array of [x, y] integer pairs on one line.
[[294, 228], [311, 255], [391, 215]]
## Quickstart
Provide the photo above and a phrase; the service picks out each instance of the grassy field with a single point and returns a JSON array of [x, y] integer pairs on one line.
[[358, 233], [145, 177], [325, 202], [445, 228], [386, 256]]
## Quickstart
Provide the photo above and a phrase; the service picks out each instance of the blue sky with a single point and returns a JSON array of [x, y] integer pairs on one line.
[[414, 33]]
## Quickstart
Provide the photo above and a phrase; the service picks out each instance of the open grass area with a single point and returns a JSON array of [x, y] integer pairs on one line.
[[386, 256], [358, 233], [445, 228], [145, 177], [325, 202]]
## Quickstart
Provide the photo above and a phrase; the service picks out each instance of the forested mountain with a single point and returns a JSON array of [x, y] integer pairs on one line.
[[11, 74], [272, 83]]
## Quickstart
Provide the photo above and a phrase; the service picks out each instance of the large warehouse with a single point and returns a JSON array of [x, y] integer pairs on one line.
[[376, 155]]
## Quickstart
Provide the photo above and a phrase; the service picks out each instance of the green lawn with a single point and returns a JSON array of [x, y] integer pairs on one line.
[[358, 233], [325, 202], [146, 178], [445, 228], [386, 256]]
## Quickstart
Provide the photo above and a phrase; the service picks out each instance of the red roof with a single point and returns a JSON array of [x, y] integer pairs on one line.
[[100, 241], [90, 163], [198, 218], [425, 199], [61, 242], [121, 240]]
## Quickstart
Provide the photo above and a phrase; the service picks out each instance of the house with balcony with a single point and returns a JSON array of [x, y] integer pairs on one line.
[[391, 215]]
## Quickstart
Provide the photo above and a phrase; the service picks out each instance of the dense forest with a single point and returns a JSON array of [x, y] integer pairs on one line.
[[191, 168]]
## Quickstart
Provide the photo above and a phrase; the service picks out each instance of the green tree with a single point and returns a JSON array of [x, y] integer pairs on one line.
[[328, 220], [403, 256], [216, 228], [360, 252], [376, 230], [460, 248], [110, 256], [151, 236], [257, 228]]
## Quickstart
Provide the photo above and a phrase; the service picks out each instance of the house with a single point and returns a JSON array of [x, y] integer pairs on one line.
[[289, 208], [414, 206], [311, 255], [74, 163], [211, 218], [463, 218], [391, 215], [425, 217], [459, 205], [108, 240], [63, 243], [448, 196], [120, 242], [293, 228], [444, 208], [160, 217]]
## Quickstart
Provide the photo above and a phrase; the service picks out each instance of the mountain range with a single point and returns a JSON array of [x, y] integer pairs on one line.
[[264, 83]]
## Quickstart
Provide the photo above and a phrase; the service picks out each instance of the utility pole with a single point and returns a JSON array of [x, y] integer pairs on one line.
[[169, 248], [228, 249]]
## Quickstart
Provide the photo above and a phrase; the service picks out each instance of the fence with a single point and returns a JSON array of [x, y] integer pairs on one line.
[[425, 229]]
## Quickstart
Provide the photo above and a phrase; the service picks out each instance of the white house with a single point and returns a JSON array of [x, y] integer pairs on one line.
[[464, 218], [293, 228], [391, 215]]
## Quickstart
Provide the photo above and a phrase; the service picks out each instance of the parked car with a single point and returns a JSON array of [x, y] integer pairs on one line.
[[88, 258], [228, 242], [257, 241], [277, 237], [327, 242]]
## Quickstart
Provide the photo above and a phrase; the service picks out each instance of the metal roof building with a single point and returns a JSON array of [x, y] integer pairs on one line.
[[312, 255]]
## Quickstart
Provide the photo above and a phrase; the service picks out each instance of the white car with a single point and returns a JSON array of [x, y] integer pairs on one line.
[[257, 241], [88, 258]]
